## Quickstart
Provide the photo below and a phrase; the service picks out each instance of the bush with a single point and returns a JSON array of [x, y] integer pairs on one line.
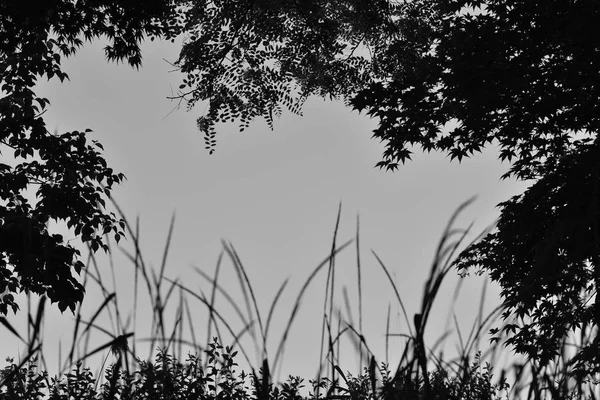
[[168, 379]]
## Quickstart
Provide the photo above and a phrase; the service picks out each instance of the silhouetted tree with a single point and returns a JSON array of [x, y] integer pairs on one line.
[[71, 177]]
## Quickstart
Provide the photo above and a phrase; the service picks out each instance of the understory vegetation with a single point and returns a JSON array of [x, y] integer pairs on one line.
[[207, 371]]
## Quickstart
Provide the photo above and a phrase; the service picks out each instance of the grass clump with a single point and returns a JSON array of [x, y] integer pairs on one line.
[[167, 378], [419, 375]]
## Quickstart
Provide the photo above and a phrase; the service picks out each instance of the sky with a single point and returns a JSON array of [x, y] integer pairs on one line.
[[274, 195]]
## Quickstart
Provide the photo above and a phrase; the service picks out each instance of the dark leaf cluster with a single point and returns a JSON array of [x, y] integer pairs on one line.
[[545, 255], [521, 75], [70, 177], [252, 58], [169, 379]]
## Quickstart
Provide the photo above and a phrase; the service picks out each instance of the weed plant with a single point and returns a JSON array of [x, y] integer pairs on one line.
[[211, 375]]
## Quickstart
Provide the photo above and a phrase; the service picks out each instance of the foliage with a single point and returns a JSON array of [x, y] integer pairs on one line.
[[522, 75], [437, 74], [474, 384], [529, 86], [169, 379], [166, 378], [453, 76], [70, 174], [544, 254], [250, 58], [514, 72]]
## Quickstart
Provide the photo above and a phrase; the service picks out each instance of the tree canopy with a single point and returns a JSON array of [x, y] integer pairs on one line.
[[70, 174], [453, 76], [251, 59]]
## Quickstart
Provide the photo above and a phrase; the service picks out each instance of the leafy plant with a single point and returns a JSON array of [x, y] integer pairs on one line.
[[169, 379]]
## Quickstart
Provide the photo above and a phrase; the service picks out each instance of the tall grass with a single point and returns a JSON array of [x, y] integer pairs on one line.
[[419, 373]]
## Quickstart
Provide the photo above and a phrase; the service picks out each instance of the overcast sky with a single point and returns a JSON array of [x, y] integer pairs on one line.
[[274, 195]]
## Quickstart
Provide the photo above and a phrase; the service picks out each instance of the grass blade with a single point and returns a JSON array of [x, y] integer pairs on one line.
[[299, 300]]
